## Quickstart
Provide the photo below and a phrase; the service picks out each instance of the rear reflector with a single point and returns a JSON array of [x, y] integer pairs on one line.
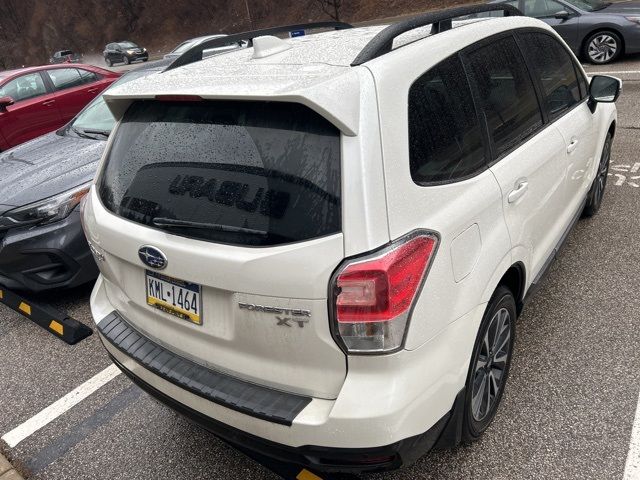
[[374, 294]]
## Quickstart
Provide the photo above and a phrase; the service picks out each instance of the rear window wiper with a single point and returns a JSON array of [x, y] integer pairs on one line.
[[172, 222]]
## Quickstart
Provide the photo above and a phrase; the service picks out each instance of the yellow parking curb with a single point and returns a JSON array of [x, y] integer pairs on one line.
[[307, 475]]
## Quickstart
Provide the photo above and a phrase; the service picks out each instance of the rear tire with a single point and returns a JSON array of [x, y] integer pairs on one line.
[[602, 47], [490, 364], [596, 193]]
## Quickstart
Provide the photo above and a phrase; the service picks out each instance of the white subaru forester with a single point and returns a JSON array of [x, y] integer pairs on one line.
[[317, 247]]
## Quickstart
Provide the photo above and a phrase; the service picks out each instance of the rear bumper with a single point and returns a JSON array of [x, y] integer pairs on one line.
[[54, 256], [389, 411], [351, 460]]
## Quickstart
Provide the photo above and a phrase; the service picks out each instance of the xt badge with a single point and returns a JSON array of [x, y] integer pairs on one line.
[[284, 321], [286, 317]]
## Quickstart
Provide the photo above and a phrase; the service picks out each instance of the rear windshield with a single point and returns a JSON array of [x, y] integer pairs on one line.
[[242, 173]]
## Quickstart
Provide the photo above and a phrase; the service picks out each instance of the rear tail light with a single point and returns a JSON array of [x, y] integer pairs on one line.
[[373, 295]]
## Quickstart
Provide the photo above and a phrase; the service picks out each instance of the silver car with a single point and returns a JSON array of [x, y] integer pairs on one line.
[[595, 30]]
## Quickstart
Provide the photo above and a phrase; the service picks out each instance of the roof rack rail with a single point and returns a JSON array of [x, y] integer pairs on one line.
[[194, 54], [441, 20]]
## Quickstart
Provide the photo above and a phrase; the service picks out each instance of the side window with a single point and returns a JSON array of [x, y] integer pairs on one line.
[[506, 93], [553, 65], [513, 3], [445, 138], [542, 8], [88, 77], [63, 78], [24, 87]]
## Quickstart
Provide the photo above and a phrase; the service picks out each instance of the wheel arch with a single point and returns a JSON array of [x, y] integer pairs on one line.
[[514, 279], [511, 272]]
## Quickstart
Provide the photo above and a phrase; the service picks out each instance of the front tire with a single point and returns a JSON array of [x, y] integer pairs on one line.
[[490, 364], [127, 61], [596, 194], [603, 47], [108, 62]]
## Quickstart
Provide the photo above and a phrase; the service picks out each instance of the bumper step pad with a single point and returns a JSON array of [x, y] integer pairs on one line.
[[248, 398]]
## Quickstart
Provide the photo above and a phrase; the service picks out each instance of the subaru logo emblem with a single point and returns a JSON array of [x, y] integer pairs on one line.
[[152, 257]]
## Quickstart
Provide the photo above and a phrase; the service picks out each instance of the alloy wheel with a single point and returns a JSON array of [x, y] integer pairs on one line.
[[602, 48], [603, 173], [491, 365]]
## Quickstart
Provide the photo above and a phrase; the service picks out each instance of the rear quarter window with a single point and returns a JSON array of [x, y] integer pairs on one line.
[[241, 173], [445, 138]]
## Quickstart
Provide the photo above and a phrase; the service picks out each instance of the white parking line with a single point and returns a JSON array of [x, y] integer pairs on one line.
[[632, 468], [53, 411]]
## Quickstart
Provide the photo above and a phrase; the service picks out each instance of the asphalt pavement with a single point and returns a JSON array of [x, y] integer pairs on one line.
[[567, 412]]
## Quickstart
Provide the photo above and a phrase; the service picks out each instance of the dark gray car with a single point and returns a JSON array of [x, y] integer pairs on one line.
[[124, 52], [66, 56], [595, 30], [42, 246]]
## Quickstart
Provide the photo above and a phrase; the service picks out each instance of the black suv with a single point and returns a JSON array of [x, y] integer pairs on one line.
[[124, 52]]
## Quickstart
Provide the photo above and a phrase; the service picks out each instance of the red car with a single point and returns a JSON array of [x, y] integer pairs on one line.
[[38, 100]]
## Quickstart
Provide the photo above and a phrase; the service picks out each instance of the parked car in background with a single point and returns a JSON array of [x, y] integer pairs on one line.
[[597, 31], [124, 52], [184, 46], [38, 100], [66, 56], [42, 246]]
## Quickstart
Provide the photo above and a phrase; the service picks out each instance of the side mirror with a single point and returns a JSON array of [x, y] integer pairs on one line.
[[5, 102], [603, 89], [562, 15]]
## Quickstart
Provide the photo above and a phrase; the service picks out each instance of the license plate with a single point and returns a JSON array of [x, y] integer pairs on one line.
[[176, 297]]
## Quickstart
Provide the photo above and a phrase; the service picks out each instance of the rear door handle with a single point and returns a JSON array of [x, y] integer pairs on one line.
[[91, 90], [517, 193], [48, 102], [572, 146]]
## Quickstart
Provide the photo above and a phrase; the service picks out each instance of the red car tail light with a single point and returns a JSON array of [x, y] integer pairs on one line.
[[373, 295]]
